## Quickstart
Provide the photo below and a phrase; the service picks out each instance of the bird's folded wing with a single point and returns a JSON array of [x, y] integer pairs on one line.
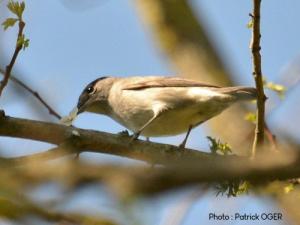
[[165, 82]]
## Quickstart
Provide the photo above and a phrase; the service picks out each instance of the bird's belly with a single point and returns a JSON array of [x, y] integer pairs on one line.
[[173, 123], [170, 122], [175, 114]]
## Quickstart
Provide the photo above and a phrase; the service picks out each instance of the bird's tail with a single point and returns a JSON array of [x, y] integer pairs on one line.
[[241, 93]]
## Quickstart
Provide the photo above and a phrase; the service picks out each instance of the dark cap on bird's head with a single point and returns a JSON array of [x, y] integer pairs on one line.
[[91, 94]]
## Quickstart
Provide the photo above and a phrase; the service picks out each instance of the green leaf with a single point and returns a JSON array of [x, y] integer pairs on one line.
[[289, 188], [250, 116], [25, 44], [20, 41], [22, 7], [13, 7], [9, 22], [232, 188], [278, 88], [16, 8], [217, 146], [250, 24], [244, 187]]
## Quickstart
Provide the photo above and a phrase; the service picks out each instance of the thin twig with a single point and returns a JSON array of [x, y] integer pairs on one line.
[[14, 57], [257, 73], [34, 93], [64, 149], [271, 137]]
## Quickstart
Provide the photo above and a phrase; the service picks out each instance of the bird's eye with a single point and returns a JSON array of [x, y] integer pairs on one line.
[[90, 90]]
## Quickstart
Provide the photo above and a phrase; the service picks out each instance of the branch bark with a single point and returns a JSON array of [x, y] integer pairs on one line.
[[181, 167], [13, 59], [95, 141], [128, 181], [257, 73]]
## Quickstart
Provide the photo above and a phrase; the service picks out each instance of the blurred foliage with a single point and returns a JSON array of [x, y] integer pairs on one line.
[[250, 24], [9, 22], [277, 88], [16, 8], [288, 188], [229, 188], [216, 146], [251, 117], [22, 41], [232, 188]]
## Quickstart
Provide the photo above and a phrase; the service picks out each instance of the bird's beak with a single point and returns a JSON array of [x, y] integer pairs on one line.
[[80, 110], [82, 103]]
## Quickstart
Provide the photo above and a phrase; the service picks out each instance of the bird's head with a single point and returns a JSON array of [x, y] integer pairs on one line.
[[95, 95]]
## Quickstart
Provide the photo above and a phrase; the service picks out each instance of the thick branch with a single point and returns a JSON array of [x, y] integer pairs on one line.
[[133, 180], [257, 73], [95, 141], [182, 167]]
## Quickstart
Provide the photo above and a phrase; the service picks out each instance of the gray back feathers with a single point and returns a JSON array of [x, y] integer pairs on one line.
[[242, 93]]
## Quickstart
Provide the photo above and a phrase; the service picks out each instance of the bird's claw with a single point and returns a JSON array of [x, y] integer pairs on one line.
[[182, 145], [135, 136], [124, 133]]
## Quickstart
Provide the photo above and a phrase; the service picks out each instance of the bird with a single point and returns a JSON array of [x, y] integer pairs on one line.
[[155, 106]]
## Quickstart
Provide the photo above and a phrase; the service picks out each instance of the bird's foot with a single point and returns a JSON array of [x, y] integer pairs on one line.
[[182, 145], [124, 133], [135, 136]]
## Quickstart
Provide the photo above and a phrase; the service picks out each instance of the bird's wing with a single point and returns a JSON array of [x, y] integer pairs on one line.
[[160, 82]]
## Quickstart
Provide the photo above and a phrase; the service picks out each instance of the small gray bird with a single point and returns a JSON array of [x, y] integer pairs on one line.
[[159, 106]]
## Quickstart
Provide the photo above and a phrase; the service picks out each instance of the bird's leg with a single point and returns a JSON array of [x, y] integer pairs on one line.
[[182, 145], [137, 134]]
